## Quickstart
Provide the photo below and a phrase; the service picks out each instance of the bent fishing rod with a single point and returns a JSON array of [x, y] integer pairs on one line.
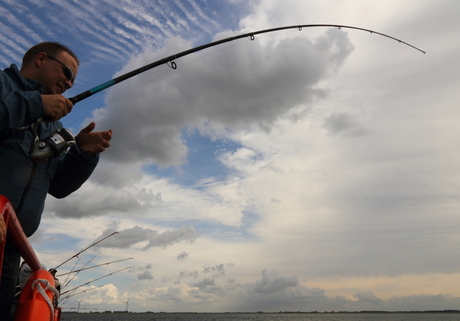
[[86, 248], [170, 61]]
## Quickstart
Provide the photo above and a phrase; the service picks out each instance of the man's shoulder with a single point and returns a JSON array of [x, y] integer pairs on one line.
[[5, 74], [11, 77]]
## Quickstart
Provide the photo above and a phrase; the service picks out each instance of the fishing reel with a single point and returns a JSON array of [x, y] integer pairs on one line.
[[54, 145]]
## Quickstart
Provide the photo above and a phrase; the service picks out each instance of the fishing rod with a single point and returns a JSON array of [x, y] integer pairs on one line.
[[67, 278], [76, 255], [67, 281], [170, 61], [92, 267], [71, 290], [67, 297]]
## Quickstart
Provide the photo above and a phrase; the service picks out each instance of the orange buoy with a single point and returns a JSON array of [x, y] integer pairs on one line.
[[38, 300]]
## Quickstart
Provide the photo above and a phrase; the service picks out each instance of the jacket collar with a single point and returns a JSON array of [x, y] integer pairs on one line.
[[27, 84]]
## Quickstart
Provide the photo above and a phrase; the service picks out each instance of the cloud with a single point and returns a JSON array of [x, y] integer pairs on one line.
[[110, 32], [422, 302], [301, 292], [367, 297], [98, 200], [205, 283], [182, 256], [129, 237], [176, 279], [271, 282], [106, 294], [219, 270], [132, 192], [345, 124], [208, 286], [145, 276], [142, 272]]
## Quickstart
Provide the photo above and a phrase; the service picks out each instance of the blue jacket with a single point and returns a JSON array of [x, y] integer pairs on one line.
[[20, 106]]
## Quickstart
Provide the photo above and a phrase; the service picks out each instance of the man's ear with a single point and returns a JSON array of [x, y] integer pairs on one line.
[[39, 59]]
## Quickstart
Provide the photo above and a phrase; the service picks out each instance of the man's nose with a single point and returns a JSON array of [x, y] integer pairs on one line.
[[68, 84]]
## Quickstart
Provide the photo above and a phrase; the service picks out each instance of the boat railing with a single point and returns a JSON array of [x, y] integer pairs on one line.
[[16, 235]]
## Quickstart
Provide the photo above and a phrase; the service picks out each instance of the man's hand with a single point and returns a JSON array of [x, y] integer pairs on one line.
[[93, 142], [2, 229], [55, 107]]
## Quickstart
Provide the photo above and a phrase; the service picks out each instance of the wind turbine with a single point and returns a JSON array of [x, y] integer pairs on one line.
[[127, 305], [78, 310]]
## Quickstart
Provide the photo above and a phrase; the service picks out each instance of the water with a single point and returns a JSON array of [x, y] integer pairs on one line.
[[263, 317]]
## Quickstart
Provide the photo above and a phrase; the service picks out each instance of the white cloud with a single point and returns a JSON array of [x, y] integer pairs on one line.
[[252, 84]]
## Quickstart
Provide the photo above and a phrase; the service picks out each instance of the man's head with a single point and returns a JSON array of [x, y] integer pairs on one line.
[[49, 63]]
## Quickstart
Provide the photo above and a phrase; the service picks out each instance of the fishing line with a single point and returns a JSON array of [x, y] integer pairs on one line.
[[443, 71]]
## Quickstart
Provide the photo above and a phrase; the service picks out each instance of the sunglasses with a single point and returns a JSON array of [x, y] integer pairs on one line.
[[68, 72]]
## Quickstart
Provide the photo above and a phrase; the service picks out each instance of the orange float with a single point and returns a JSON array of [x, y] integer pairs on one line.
[[38, 300]]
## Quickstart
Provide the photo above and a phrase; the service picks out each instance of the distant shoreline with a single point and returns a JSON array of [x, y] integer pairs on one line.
[[261, 312]]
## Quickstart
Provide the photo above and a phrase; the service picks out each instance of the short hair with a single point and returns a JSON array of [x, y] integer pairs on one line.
[[49, 47]]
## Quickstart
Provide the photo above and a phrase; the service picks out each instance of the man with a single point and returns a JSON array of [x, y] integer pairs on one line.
[[31, 104]]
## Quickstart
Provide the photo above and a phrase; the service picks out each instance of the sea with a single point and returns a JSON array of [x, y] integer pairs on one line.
[[415, 316]]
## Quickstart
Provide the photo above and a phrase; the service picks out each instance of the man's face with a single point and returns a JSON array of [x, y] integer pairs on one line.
[[53, 76]]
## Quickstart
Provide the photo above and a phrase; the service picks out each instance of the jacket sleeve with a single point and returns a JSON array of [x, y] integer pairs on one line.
[[18, 108], [73, 170]]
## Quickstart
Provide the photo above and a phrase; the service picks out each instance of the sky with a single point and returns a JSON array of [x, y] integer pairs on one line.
[[306, 170]]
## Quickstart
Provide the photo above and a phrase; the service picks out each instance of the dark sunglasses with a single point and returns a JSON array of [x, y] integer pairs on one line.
[[68, 72]]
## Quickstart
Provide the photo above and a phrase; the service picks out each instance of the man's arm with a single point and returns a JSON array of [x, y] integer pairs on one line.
[[22, 108], [72, 171], [19, 109], [78, 165]]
